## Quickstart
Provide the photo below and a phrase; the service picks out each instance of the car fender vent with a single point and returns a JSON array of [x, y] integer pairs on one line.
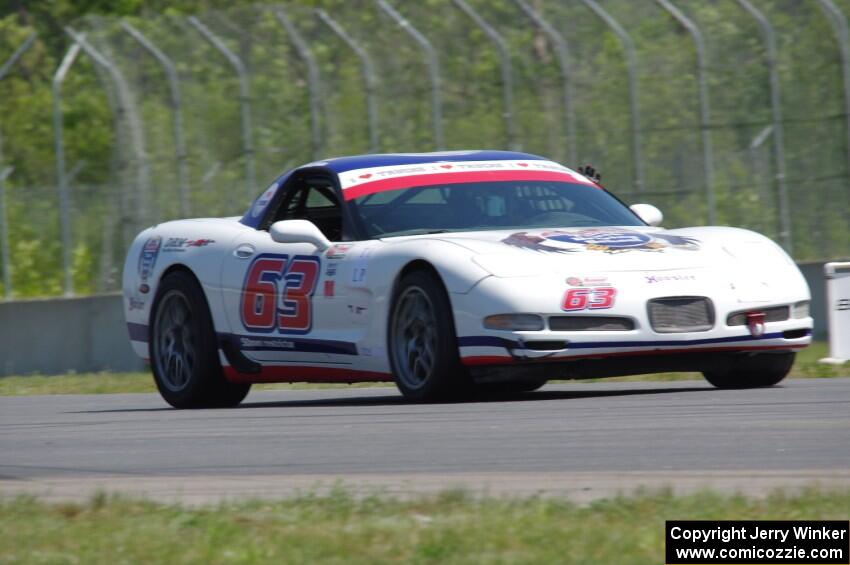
[[590, 324]]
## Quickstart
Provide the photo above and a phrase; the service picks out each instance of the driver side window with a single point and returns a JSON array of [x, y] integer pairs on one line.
[[313, 199]]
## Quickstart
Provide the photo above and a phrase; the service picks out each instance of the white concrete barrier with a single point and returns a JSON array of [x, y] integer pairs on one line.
[[59, 335]]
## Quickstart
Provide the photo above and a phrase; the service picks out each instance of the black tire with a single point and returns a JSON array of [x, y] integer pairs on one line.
[[752, 371], [183, 348], [420, 376]]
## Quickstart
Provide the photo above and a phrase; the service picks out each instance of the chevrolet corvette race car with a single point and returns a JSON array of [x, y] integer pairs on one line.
[[451, 272]]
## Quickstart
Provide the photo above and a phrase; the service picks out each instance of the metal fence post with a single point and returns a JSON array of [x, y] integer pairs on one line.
[[368, 76], [313, 82], [19, 52], [244, 100], [631, 68], [562, 53], [4, 172], [704, 111], [842, 35], [127, 108], [776, 111], [62, 180], [433, 69], [507, 71], [176, 109]]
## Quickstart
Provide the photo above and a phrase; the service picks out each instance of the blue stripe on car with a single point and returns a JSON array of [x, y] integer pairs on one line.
[[139, 332]]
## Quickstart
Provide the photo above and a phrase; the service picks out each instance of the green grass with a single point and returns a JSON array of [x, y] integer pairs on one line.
[[115, 383], [807, 366], [451, 527]]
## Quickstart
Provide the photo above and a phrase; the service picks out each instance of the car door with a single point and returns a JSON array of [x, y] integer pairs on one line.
[[277, 301]]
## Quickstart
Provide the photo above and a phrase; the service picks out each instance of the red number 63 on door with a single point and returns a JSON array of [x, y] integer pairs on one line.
[[278, 292]]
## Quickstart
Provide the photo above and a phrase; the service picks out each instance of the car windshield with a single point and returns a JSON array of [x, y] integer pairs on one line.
[[489, 206]]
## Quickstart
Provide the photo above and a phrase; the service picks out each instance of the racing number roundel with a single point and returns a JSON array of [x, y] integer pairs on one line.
[[585, 298], [277, 293]]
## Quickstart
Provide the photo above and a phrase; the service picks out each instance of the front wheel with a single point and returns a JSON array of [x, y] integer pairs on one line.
[[752, 371], [422, 342], [183, 349]]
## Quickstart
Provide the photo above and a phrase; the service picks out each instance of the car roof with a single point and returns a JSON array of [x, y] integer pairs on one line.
[[343, 164], [338, 165]]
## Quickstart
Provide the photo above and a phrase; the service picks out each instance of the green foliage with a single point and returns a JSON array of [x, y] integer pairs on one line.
[[341, 526], [129, 177]]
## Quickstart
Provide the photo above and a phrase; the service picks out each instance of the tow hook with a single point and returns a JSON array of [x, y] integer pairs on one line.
[[755, 322]]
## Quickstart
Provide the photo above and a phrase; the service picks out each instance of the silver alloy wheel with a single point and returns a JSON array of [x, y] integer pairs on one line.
[[174, 351], [414, 337]]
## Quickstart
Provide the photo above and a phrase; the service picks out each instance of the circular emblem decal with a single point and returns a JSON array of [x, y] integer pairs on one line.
[[147, 258], [613, 239]]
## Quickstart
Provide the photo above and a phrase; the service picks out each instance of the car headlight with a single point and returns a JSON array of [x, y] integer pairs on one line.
[[801, 309], [514, 322]]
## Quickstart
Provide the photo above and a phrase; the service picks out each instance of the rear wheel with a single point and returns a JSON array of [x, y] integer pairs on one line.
[[422, 342], [183, 350], [752, 371]]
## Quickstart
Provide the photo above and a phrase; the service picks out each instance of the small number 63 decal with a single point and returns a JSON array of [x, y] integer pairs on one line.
[[598, 298]]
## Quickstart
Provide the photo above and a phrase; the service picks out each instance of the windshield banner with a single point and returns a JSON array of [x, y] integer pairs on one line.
[[362, 182]]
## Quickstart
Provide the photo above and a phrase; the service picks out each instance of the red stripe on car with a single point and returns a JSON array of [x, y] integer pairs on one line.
[[434, 179]]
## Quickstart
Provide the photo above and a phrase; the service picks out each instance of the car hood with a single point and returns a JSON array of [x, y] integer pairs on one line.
[[528, 252]]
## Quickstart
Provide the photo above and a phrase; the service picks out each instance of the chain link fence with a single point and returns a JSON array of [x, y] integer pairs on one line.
[[731, 112]]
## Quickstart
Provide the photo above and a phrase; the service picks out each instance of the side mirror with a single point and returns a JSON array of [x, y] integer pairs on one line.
[[648, 213], [299, 231]]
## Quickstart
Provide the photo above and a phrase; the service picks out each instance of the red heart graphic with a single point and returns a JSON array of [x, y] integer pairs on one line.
[[522, 164], [366, 176], [446, 166]]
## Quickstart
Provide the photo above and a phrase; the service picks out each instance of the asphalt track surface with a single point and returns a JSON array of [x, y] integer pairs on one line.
[[583, 440]]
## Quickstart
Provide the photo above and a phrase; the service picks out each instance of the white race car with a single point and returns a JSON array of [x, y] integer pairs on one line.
[[451, 272]]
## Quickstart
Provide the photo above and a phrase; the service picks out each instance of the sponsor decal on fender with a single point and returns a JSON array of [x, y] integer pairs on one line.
[[607, 240], [147, 258], [266, 342], [338, 251], [652, 279], [588, 281], [180, 244]]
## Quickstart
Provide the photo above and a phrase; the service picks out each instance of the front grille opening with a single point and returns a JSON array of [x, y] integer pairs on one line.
[[774, 314], [590, 324], [680, 314], [545, 345]]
